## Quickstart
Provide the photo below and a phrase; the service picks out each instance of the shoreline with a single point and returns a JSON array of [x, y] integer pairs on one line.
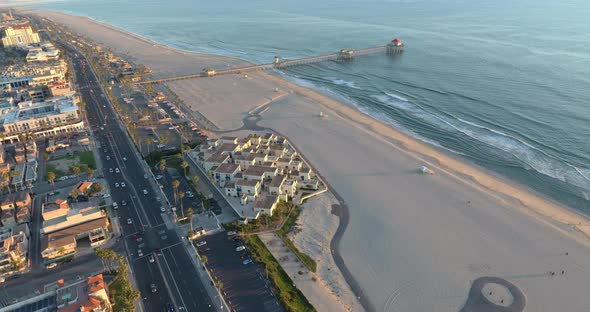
[[508, 193]]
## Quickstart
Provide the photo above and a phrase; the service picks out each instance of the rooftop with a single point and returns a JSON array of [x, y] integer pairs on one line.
[[226, 168], [217, 158], [266, 202], [276, 181], [247, 183], [67, 236], [259, 170]]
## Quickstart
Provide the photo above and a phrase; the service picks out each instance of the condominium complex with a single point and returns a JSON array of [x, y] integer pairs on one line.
[[258, 171], [19, 35]]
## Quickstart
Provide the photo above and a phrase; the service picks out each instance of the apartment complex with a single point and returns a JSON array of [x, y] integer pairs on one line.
[[19, 35], [259, 171]]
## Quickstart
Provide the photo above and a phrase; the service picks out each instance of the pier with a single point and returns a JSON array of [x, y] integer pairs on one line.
[[394, 47]]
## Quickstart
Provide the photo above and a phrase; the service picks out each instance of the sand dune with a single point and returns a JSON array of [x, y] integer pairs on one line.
[[414, 242]]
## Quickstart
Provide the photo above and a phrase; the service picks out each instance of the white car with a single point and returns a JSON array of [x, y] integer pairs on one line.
[[162, 209], [129, 221], [123, 203], [111, 170], [116, 184], [158, 177], [108, 157], [115, 206], [240, 248], [107, 195], [145, 192], [140, 253], [117, 170], [201, 243], [125, 158], [157, 198], [151, 258], [51, 266], [123, 184]]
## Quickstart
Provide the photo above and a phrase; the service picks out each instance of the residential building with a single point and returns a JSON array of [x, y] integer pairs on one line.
[[19, 35], [225, 173], [259, 172], [266, 204], [248, 187], [8, 217], [274, 186], [14, 247], [84, 296], [215, 160]]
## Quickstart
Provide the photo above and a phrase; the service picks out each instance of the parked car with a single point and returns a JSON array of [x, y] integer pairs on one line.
[[129, 221], [151, 258], [116, 184], [145, 192], [247, 261], [117, 170], [115, 206], [201, 243], [108, 157], [232, 233], [51, 266], [123, 184], [111, 170], [158, 177], [163, 209], [140, 253], [123, 203], [153, 288], [240, 248], [125, 158]]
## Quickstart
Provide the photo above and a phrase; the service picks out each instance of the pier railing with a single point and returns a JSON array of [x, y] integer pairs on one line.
[[344, 54]]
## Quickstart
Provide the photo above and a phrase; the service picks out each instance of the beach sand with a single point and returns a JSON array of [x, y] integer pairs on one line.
[[414, 242]]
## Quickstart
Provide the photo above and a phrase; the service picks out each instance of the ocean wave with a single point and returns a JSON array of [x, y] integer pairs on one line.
[[531, 157], [346, 83]]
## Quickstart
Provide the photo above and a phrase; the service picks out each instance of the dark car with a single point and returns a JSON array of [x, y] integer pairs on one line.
[[169, 307]]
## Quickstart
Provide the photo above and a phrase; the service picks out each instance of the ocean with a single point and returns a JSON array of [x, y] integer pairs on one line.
[[504, 84]]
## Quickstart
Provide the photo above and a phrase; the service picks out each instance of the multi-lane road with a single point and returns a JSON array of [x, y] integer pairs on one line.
[[172, 271]]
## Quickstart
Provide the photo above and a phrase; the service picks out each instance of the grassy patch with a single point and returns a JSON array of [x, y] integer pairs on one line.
[[51, 168], [288, 294], [264, 222], [87, 158], [282, 232]]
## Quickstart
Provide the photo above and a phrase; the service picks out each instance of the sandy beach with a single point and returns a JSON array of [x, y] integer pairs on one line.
[[414, 242]]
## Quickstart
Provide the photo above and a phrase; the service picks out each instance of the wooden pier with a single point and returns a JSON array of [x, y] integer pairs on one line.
[[395, 47]]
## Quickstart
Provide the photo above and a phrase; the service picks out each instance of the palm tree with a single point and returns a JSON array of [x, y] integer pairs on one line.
[[204, 259], [74, 194], [196, 180], [75, 170], [162, 165], [189, 214], [51, 177], [184, 166], [181, 196], [89, 172], [175, 185], [149, 142]]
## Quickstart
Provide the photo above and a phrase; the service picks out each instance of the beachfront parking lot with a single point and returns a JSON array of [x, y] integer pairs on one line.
[[244, 285]]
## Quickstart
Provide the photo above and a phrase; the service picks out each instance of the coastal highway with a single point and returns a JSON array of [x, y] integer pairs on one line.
[[172, 271]]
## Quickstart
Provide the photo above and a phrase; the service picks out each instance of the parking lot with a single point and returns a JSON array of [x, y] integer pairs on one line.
[[244, 285]]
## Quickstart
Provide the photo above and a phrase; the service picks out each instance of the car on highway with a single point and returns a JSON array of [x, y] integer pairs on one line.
[[123, 184], [240, 248], [111, 170], [201, 243], [140, 253], [163, 209], [151, 258], [247, 261], [153, 288], [116, 184], [129, 221], [117, 170]]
